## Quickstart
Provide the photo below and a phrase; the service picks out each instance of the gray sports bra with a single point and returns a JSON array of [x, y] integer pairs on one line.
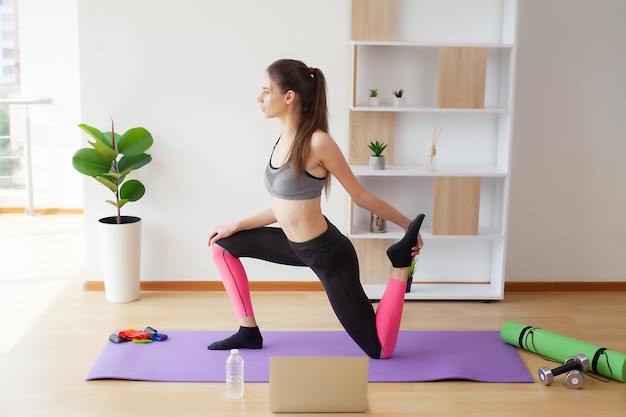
[[282, 183]]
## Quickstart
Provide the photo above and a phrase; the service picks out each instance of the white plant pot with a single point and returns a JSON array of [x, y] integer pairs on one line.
[[377, 162], [398, 101], [120, 250], [373, 101]]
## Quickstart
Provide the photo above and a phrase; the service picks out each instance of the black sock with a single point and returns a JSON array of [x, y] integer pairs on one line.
[[246, 337], [400, 253]]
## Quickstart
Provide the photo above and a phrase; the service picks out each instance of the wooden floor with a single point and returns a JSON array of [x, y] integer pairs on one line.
[[53, 331]]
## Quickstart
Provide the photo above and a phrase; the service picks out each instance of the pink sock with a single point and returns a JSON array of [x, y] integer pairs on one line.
[[235, 280], [388, 316]]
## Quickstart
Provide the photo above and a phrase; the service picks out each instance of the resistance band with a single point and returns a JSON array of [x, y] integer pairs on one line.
[[605, 362]]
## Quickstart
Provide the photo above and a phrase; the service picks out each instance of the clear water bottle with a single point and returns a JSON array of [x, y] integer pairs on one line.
[[234, 375]]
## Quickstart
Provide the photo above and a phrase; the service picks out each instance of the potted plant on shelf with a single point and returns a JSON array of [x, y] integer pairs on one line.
[[398, 99], [373, 97], [109, 160], [377, 159]]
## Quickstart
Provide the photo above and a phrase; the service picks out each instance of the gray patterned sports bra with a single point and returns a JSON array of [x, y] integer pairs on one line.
[[282, 183]]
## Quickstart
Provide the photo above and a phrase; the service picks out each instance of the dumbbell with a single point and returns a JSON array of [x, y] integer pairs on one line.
[[573, 366]]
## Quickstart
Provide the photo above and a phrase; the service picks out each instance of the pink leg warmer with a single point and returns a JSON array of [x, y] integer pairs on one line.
[[388, 316], [235, 280]]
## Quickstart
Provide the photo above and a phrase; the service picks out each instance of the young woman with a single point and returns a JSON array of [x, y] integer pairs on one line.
[[300, 166]]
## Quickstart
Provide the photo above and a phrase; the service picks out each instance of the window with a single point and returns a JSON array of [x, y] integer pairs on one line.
[[11, 147]]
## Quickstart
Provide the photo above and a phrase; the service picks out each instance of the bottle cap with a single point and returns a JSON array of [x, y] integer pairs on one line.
[[234, 351]]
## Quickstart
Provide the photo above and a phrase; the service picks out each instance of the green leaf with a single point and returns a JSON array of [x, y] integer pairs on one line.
[[377, 147], [89, 162], [135, 141], [107, 136], [132, 190], [94, 133], [128, 163], [111, 185], [114, 176], [119, 204], [105, 150]]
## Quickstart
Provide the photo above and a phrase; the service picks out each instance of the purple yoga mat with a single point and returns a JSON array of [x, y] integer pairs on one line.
[[419, 356]]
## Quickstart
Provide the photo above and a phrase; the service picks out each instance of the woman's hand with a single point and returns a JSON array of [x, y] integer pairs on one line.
[[415, 250], [221, 232], [263, 218], [420, 245]]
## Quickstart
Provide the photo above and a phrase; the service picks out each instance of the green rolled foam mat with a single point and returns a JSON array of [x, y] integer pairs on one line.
[[608, 363]]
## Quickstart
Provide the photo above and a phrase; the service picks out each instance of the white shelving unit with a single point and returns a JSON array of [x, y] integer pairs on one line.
[[396, 45]]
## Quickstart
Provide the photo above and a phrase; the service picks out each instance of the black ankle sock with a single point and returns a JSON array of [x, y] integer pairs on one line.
[[246, 338], [400, 253]]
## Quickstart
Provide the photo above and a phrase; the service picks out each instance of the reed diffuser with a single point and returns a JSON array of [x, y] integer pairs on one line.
[[431, 163]]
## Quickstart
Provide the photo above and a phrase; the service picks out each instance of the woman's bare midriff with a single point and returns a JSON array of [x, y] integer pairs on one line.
[[301, 220]]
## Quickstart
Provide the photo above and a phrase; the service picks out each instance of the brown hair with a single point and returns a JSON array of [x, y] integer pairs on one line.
[[309, 84]]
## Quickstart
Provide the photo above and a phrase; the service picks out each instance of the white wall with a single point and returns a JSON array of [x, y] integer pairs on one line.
[[190, 72], [568, 193]]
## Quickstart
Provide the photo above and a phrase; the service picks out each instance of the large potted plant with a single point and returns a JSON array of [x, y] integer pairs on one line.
[[109, 160]]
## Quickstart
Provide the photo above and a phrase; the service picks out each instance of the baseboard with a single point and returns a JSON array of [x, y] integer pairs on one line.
[[42, 211], [215, 286], [317, 286], [568, 286]]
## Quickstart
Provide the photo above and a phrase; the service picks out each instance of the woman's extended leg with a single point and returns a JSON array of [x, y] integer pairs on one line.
[[236, 284], [389, 312], [235, 281], [333, 259], [268, 243]]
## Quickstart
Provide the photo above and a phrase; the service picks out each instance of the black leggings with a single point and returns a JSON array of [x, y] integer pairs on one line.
[[333, 259]]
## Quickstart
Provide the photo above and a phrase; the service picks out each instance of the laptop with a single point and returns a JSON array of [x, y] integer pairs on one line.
[[318, 384]]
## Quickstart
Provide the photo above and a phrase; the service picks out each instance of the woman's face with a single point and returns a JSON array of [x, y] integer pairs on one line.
[[272, 100]]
